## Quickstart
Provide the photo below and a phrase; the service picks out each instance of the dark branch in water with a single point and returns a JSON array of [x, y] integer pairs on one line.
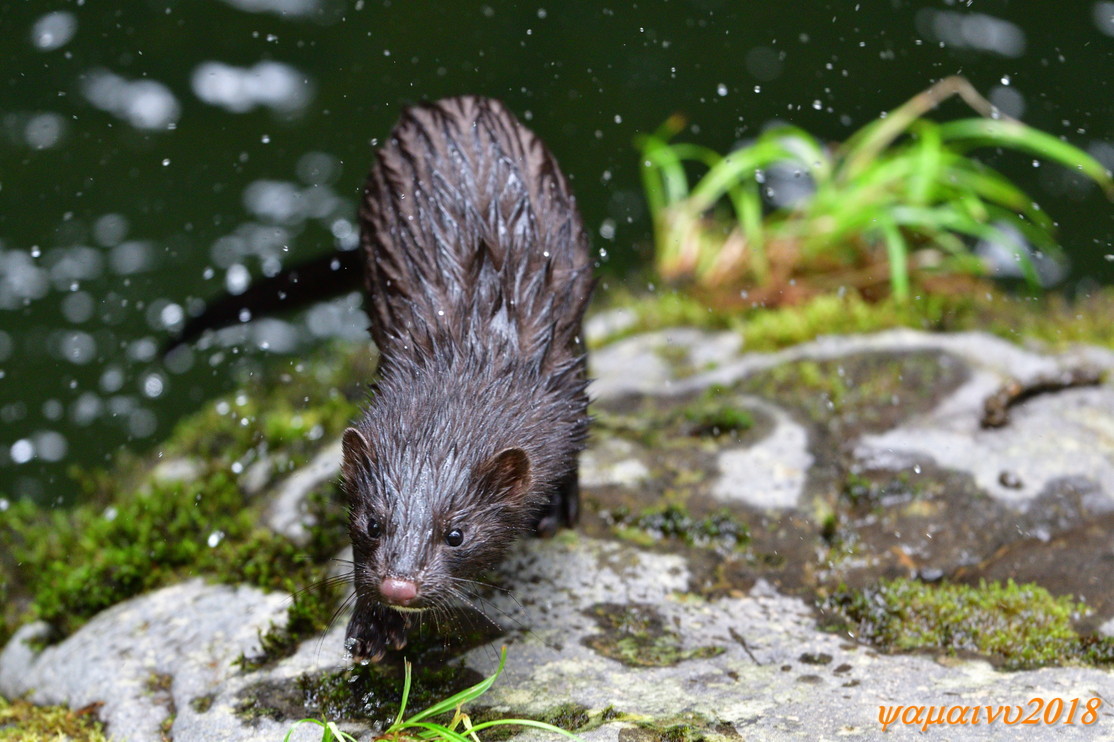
[[996, 409], [315, 280]]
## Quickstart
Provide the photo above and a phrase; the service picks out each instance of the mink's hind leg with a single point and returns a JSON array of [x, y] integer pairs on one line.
[[564, 507], [373, 629]]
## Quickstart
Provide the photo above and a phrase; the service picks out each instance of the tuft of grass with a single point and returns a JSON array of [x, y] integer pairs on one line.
[[892, 208], [419, 726]]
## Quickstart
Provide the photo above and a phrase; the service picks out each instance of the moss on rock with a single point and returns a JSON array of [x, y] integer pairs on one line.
[[1016, 626], [139, 528], [721, 530], [1050, 319], [23, 721], [636, 635]]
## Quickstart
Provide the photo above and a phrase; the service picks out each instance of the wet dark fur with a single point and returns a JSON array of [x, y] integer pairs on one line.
[[477, 276]]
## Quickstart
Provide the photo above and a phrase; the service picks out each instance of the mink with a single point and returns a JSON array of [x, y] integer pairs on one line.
[[477, 272]]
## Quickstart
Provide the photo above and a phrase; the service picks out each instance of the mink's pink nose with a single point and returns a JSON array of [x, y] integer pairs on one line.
[[399, 592]]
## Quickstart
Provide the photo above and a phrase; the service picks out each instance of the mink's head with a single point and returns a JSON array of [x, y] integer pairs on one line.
[[422, 528]]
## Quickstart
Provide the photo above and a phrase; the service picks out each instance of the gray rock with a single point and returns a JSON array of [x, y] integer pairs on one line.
[[286, 513], [653, 362], [612, 461], [772, 472], [749, 657], [185, 637]]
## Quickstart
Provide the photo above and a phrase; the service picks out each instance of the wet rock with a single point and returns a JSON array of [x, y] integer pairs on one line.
[[612, 461], [185, 637], [653, 362], [770, 473], [286, 513], [726, 495]]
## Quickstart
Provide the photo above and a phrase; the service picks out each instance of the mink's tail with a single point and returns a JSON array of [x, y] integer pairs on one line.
[[313, 281]]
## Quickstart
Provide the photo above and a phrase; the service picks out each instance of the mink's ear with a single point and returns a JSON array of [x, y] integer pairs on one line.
[[357, 454], [506, 475]]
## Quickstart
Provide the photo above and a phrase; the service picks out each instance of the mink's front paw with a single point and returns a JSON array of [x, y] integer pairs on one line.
[[373, 629]]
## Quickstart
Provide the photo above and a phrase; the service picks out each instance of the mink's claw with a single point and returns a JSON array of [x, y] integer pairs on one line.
[[373, 629]]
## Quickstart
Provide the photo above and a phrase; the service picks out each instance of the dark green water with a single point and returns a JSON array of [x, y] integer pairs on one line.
[[150, 151]]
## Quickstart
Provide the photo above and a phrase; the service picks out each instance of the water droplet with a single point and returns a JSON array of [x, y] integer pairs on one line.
[[153, 386], [721, 89], [166, 161], [22, 451]]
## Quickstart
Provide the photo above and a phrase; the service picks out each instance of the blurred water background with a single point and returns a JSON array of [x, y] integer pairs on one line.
[[153, 154]]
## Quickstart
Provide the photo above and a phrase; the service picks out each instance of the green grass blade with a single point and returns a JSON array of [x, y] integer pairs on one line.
[[434, 731], [332, 729], [405, 693], [733, 170], [747, 201], [663, 174], [1033, 233], [933, 220], [929, 162], [898, 253], [697, 153], [525, 723], [991, 186], [804, 148], [463, 696], [298, 723], [652, 179], [1015, 135]]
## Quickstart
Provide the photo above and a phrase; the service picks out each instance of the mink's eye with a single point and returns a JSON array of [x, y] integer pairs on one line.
[[373, 529], [454, 537]]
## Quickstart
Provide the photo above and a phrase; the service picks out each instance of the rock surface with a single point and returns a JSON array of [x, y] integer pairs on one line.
[[873, 442]]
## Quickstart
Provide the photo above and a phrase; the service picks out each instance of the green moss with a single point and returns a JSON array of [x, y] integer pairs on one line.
[[720, 530], [1051, 319], [278, 418], [662, 310], [203, 703], [712, 414], [716, 412], [687, 727], [87, 559], [869, 492], [21, 721], [571, 717], [636, 635], [866, 391], [1016, 626], [136, 530]]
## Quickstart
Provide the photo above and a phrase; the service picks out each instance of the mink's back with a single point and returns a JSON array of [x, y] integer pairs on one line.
[[472, 239]]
